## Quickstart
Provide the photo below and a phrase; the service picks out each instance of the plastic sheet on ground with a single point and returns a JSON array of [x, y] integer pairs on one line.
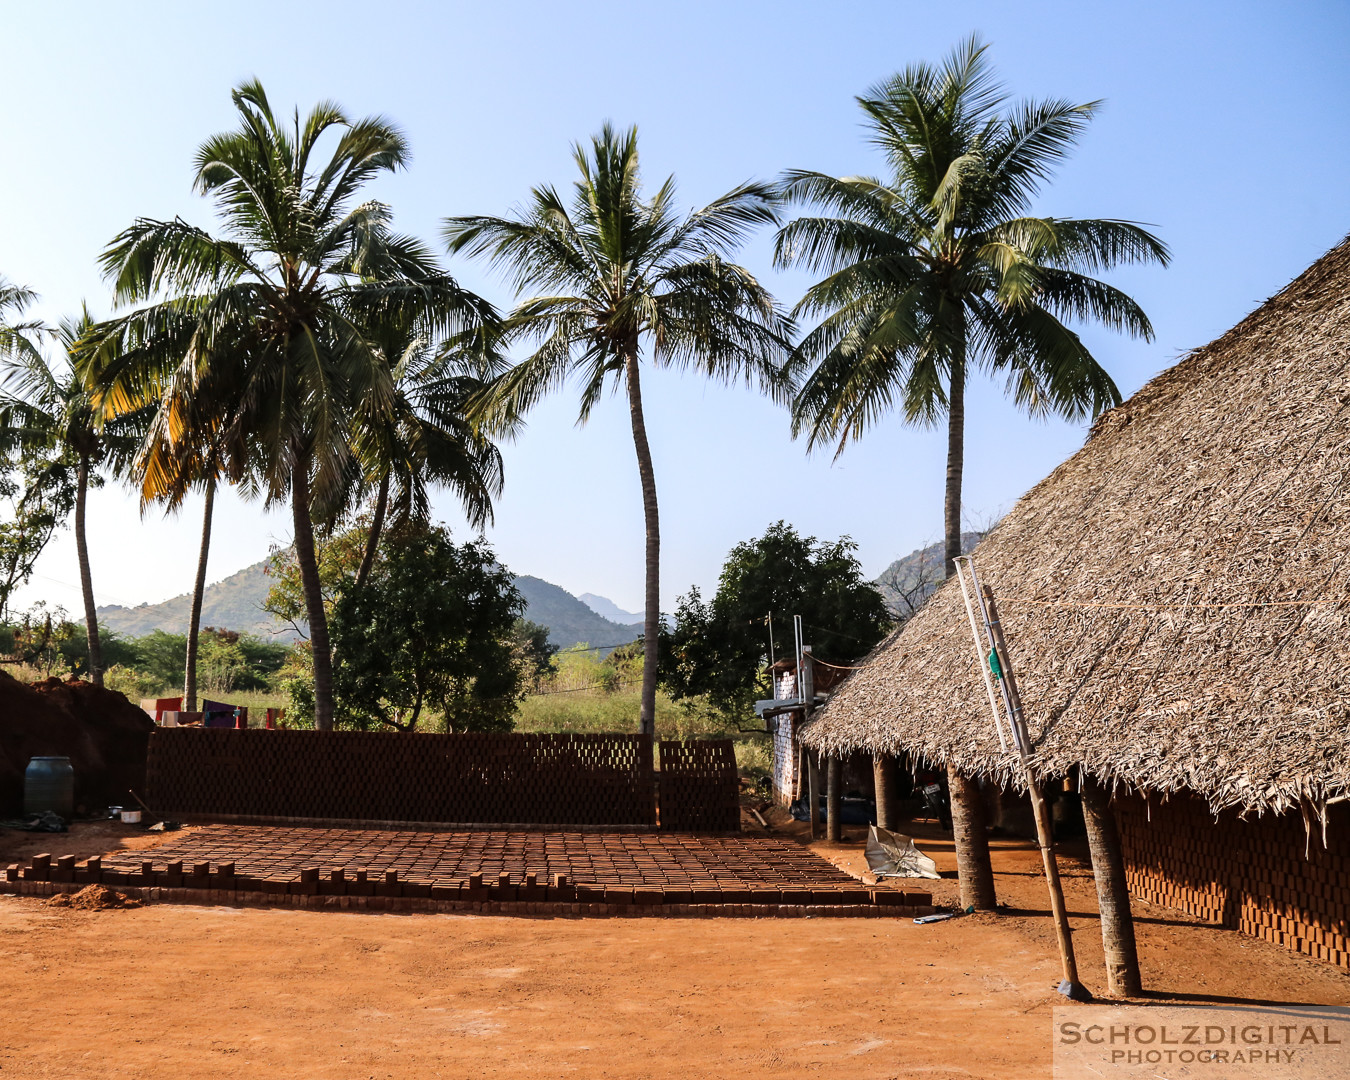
[[891, 854]]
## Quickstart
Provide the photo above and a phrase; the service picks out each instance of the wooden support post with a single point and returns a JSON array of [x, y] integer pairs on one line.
[[813, 793], [886, 787], [834, 794], [1070, 987], [1113, 895]]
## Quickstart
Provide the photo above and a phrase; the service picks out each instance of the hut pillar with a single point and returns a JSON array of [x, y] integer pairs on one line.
[[971, 842], [834, 794], [1113, 896], [886, 781]]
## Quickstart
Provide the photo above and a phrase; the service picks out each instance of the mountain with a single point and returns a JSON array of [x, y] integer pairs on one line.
[[569, 620], [232, 604], [912, 579], [608, 609], [236, 604]]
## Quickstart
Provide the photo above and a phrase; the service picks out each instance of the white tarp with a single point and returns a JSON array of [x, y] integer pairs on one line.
[[890, 854]]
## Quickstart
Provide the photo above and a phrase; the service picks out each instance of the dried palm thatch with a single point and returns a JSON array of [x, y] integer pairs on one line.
[[1176, 595]]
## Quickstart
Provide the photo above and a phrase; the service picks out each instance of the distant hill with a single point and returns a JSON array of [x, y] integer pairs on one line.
[[232, 604], [912, 579], [569, 620], [607, 608], [236, 604]]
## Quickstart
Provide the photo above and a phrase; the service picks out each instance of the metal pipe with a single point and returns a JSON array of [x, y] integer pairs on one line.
[[981, 660]]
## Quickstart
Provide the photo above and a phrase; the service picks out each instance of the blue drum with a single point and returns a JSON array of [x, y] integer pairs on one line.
[[49, 784]]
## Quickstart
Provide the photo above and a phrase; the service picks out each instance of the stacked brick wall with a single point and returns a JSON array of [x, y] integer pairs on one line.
[[700, 788], [545, 779], [1263, 876]]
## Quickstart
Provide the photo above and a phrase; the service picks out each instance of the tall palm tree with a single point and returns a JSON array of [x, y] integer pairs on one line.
[[612, 276], [940, 270], [255, 342], [51, 406]]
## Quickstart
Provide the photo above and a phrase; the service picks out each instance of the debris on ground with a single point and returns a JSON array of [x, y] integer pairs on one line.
[[47, 821], [94, 898]]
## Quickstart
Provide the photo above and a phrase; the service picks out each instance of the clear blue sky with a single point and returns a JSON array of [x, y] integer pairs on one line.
[[1226, 127]]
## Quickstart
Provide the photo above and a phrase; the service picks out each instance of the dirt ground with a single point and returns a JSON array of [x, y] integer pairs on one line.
[[165, 991]]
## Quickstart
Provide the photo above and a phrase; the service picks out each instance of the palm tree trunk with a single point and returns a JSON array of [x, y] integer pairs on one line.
[[376, 524], [973, 868], [86, 579], [1113, 895], [956, 464], [651, 623], [886, 782], [968, 817], [314, 610], [198, 588]]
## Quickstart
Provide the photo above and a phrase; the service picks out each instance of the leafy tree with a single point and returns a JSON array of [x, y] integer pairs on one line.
[[36, 483], [532, 650], [258, 343], [47, 410], [434, 627], [612, 275], [939, 271], [720, 647]]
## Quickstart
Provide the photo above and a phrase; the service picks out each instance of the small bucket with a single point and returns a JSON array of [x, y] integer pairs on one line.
[[131, 817]]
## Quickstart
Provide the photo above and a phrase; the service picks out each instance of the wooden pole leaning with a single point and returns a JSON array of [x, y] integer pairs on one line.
[[1070, 987]]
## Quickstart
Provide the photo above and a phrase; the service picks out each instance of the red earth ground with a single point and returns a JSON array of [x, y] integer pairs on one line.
[[170, 991]]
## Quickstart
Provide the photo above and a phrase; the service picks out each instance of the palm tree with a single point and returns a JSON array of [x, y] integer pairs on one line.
[[424, 438], [255, 342], [940, 270], [45, 407], [614, 275]]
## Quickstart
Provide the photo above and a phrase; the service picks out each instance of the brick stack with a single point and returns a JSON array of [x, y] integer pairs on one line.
[[1266, 876], [501, 870], [700, 787], [547, 779]]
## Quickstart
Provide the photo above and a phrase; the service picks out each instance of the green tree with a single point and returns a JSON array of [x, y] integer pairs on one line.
[[434, 627], [940, 270], [720, 648], [613, 276], [257, 343], [48, 409]]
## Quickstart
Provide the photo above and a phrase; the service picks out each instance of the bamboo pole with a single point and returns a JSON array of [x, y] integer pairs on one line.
[[1070, 986]]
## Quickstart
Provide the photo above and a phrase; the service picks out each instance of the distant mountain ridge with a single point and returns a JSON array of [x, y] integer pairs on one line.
[[235, 603], [608, 609]]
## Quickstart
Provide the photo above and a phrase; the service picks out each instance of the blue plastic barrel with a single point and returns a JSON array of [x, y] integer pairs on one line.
[[49, 784]]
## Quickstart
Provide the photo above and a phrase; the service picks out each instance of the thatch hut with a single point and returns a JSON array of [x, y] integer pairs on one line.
[[1176, 598]]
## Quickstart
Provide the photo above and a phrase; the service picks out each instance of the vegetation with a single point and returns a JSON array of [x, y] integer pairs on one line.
[[614, 272], [308, 353], [432, 627], [720, 648], [47, 412], [278, 318]]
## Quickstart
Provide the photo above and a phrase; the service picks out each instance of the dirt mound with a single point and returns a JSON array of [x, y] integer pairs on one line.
[[94, 898], [104, 735]]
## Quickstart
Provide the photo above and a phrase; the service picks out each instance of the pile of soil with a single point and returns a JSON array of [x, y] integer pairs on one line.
[[93, 898], [104, 735]]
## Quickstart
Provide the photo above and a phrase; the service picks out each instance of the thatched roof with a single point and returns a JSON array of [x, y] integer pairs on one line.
[[1224, 481]]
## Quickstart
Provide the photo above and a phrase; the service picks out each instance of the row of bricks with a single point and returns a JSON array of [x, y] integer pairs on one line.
[[432, 906], [476, 889]]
